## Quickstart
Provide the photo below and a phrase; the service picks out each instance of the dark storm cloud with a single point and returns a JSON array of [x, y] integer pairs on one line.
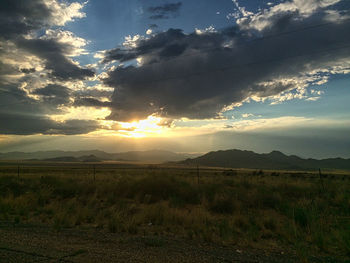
[[165, 11], [94, 93], [53, 90], [196, 75], [18, 17], [71, 127], [20, 124], [21, 17], [55, 60], [91, 102], [28, 70], [54, 94], [19, 112], [92, 98], [161, 43], [6, 69], [22, 115]]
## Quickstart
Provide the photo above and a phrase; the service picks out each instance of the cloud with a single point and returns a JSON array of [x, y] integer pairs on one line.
[[22, 16], [153, 26], [54, 94], [247, 115], [35, 57], [137, 46], [23, 115], [94, 92], [8, 70], [209, 29], [91, 102], [74, 45], [53, 53], [28, 70], [197, 75], [268, 17], [62, 12], [20, 124], [53, 90], [165, 11], [241, 10], [19, 22]]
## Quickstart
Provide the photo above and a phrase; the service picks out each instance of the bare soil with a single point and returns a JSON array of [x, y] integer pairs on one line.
[[43, 244]]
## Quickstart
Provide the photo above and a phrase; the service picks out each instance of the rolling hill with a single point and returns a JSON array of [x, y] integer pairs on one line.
[[273, 160], [152, 156], [86, 158]]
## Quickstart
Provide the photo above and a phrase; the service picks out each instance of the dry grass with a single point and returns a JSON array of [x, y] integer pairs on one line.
[[252, 209]]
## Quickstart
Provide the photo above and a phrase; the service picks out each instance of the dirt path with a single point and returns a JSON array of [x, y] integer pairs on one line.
[[35, 244]]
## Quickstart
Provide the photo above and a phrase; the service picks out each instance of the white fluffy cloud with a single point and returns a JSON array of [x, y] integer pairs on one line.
[[63, 12], [266, 17], [68, 38]]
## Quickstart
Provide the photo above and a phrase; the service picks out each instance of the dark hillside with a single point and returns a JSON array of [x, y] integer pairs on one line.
[[273, 160]]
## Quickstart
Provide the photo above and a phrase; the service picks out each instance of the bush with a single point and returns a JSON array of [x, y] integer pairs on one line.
[[268, 199], [222, 205], [153, 241], [270, 224], [10, 185], [301, 217], [115, 223], [152, 189]]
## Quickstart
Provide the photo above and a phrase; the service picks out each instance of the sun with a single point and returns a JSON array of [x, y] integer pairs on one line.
[[149, 127]]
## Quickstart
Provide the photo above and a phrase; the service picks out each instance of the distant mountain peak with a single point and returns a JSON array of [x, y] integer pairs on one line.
[[149, 156], [274, 160], [277, 154]]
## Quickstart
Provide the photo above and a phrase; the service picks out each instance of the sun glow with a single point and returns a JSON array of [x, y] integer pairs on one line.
[[152, 126]]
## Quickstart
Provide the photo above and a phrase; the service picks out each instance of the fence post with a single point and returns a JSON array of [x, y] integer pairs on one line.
[[94, 166], [18, 171]]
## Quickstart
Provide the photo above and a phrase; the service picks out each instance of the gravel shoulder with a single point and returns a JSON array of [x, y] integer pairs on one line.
[[44, 244], [41, 244]]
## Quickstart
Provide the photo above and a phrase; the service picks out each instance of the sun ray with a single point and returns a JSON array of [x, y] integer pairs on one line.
[[150, 127]]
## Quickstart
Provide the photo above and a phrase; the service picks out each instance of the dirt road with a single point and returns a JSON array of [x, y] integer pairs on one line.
[[43, 244]]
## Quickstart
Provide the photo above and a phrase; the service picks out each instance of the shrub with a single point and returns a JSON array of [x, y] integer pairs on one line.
[[115, 223], [301, 217], [10, 185], [222, 205], [153, 241], [270, 224]]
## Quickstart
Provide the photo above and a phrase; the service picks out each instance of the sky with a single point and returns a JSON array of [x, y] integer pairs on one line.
[[185, 76]]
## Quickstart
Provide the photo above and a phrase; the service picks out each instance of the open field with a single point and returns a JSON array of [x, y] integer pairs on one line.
[[109, 212]]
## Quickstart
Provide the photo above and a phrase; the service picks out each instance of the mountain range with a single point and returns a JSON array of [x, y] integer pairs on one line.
[[272, 160], [226, 158], [152, 156]]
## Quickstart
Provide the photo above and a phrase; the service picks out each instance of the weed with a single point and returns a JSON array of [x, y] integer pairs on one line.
[[222, 205], [153, 241]]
